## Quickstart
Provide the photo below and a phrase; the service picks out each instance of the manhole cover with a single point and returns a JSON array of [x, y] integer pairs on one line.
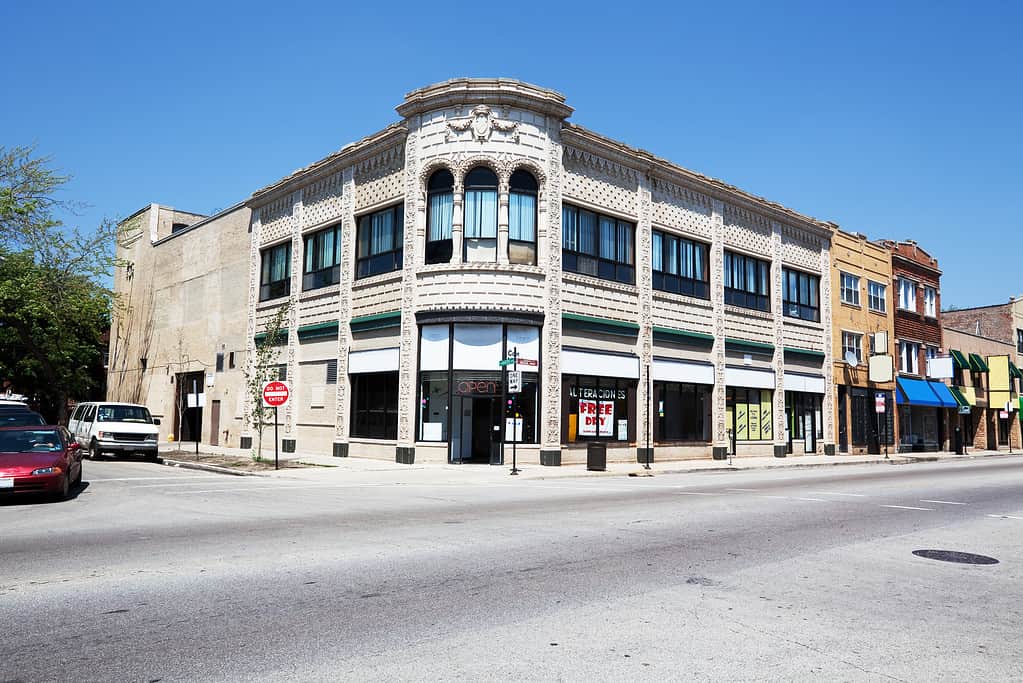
[[955, 556]]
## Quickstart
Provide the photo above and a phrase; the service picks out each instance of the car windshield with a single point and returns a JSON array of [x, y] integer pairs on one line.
[[30, 441], [25, 419], [123, 414]]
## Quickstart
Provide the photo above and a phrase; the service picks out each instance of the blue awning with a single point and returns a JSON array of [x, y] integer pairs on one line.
[[916, 392], [944, 395]]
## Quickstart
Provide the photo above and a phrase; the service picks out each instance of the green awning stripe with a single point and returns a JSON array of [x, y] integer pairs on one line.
[[759, 346], [958, 396], [805, 352], [977, 363], [328, 329], [959, 359], [376, 321], [282, 338], [585, 319], [1014, 371], [670, 331]]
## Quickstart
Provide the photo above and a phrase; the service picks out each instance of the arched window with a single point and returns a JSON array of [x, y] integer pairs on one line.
[[481, 215], [440, 201], [522, 218]]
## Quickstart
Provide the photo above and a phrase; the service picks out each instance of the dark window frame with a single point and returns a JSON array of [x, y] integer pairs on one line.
[[369, 418], [523, 184], [594, 263], [758, 298], [316, 274], [798, 308], [666, 281], [274, 289], [441, 182], [384, 261]]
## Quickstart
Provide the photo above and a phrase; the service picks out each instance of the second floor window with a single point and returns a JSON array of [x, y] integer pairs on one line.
[[746, 282], [909, 357], [322, 258], [593, 244], [680, 265], [522, 218], [852, 343], [1019, 341], [800, 295], [877, 296], [930, 302], [907, 295], [850, 289], [275, 272], [439, 211], [480, 228], [380, 243]]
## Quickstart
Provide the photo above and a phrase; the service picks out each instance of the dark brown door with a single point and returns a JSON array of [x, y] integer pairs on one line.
[[215, 423]]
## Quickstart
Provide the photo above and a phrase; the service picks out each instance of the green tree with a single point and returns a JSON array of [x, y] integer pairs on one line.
[[54, 311], [261, 370]]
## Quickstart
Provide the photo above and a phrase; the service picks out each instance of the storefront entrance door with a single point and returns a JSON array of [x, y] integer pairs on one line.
[[475, 430]]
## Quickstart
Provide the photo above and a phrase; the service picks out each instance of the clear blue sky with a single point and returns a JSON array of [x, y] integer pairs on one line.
[[895, 119]]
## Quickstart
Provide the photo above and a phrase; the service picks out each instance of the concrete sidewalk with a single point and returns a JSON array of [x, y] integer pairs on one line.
[[364, 470]]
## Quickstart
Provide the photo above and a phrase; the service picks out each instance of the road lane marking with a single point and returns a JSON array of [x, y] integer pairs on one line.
[[836, 493], [943, 502], [906, 507], [202, 476], [694, 493], [743, 490], [816, 500], [774, 497], [1005, 517]]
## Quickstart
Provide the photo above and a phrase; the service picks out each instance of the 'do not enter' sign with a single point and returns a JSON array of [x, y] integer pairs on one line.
[[275, 394]]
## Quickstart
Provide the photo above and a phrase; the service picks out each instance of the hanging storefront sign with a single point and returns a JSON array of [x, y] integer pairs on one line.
[[591, 393]]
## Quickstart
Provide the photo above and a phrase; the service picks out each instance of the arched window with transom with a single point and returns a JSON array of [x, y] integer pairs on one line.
[[522, 218], [480, 215], [440, 204]]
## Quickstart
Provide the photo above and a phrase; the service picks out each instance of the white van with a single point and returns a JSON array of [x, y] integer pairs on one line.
[[114, 428]]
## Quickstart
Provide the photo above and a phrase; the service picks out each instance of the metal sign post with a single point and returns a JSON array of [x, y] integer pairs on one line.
[[198, 426], [275, 394], [514, 390]]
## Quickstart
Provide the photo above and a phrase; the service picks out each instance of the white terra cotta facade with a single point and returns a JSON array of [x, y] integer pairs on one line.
[[600, 343]]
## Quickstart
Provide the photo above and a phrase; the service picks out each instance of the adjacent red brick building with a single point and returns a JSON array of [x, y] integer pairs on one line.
[[916, 287]]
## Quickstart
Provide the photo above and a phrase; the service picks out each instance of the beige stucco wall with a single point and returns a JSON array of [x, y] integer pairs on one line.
[[179, 302]]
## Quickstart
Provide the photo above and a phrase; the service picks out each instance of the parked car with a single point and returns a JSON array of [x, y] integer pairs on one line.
[[20, 418], [41, 459], [114, 428]]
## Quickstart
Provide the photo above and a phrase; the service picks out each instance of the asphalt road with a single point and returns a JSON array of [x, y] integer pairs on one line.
[[156, 574]]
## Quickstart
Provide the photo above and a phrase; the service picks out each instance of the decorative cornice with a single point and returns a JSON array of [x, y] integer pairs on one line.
[[488, 91]]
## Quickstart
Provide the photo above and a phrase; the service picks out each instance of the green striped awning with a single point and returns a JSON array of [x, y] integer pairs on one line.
[[959, 359], [958, 396], [977, 363], [1014, 371]]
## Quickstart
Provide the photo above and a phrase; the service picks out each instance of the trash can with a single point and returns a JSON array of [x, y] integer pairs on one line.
[[596, 456]]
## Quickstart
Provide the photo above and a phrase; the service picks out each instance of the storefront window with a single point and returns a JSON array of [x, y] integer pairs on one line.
[[682, 412], [375, 405], [433, 406], [801, 410], [749, 413], [522, 407], [598, 408]]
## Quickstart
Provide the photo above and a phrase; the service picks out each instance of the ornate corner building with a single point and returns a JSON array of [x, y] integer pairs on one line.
[[641, 305]]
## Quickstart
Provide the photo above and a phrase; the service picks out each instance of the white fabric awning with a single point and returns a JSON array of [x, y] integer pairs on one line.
[[750, 378], [811, 384], [377, 360], [682, 371], [599, 364]]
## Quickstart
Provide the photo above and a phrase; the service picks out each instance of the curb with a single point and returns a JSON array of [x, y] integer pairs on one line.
[[184, 464]]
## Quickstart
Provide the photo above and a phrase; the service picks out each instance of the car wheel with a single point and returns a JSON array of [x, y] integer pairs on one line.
[[78, 477], [65, 488], [93, 447]]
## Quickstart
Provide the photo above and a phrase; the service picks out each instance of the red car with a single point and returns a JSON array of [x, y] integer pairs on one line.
[[39, 459]]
